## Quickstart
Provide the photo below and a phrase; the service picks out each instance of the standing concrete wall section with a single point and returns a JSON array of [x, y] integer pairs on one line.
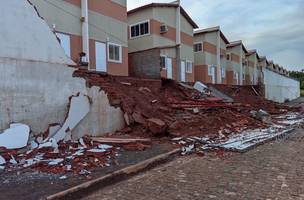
[[35, 80], [280, 88]]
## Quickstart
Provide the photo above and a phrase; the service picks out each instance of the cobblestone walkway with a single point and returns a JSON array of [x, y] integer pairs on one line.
[[272, 171]]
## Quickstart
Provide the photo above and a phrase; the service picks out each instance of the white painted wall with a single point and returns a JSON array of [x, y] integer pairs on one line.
[[37, 94], [279, 88], [35, 81], [26, 36]]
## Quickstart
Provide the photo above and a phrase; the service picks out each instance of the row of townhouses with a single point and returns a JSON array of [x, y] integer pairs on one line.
[[157, 40]]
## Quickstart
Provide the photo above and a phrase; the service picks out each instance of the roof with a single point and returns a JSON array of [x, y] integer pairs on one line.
[[253, 51], [210, 30], [237, 43], [154, 5]]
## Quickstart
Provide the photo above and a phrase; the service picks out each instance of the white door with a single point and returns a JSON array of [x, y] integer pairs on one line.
[[183, 71], [101, 57], [213, 74], [65, 42], [169, 68]]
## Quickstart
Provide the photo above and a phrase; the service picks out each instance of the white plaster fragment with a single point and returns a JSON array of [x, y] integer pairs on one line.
[[97, 150], [15, 137], [104, 146], [56, 161], [79, 108]]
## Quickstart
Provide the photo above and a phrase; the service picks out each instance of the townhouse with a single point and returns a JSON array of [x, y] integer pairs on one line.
[[210, 55], [252, 71], [161, 42], [262, 64], [236, 63], [93, 33]]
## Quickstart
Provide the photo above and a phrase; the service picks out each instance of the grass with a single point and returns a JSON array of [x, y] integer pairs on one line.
[[302, 93]]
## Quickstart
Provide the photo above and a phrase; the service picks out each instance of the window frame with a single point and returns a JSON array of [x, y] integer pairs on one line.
[[165, 57], [210, 70], [197, 44], [138, 24], [120, 52], [186, 70], [223, 72], [69, 48]]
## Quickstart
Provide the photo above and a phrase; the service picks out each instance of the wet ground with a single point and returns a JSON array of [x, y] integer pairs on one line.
[[35, 185]]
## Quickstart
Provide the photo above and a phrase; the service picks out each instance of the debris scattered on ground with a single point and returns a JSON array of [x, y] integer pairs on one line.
[[15, 137], [282, 125]]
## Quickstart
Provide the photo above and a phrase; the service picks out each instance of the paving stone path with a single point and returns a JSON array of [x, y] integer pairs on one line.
[[271, 171]]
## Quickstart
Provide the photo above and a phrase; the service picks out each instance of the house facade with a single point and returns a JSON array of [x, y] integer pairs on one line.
[[263, 64], [210, 56], [92, 32], [236, 63], [161, 42], [253, 73]]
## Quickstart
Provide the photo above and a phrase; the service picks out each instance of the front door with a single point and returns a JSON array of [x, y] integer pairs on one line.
[[183, 71], [101, 57], [213, 69], [169, 68]]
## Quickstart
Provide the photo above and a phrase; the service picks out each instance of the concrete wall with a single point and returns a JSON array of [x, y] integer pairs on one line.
[[26, 36], [37, 94], [280, 88]]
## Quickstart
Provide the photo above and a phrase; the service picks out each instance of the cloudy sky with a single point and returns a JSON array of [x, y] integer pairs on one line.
[[274, 27]]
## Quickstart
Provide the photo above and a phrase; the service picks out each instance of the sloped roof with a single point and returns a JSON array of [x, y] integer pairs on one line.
[[210, 30], [237, 43], [155, 5]]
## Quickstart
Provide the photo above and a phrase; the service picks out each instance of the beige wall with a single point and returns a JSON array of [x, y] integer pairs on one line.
[[156, 16], [107, 23]]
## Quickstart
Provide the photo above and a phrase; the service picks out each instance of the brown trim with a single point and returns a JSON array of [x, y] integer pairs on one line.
[[210, 48], [250, 63], [154, 5], [235, 58], [162, 47], [105, 7], [201, 74], [170, 34]]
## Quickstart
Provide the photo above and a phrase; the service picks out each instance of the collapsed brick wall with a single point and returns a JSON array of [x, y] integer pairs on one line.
[[145, 64]]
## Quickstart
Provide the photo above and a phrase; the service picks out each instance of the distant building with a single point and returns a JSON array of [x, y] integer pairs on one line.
[[161, 42], [210, 56], [236, 63]]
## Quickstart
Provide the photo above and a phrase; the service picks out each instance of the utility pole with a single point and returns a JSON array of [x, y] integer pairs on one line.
[[178, 41]]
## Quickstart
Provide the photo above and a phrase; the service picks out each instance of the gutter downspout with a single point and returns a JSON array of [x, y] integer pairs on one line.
[[218, 59], [178, 42], [85, 30], [241, 65]]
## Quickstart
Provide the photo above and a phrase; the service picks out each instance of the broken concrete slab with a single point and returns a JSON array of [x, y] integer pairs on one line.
[[202, 88], [79, 108], [15, 137]]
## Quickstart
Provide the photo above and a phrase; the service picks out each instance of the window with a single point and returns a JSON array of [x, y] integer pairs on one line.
[[228, 56], [210, 70], [114, 53], [65, 43], [163, 62], [223, 70], [197, 47], [189, 67], [139, 29]]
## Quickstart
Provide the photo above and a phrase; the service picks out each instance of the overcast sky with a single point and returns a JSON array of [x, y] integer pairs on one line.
[[274, 27]]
